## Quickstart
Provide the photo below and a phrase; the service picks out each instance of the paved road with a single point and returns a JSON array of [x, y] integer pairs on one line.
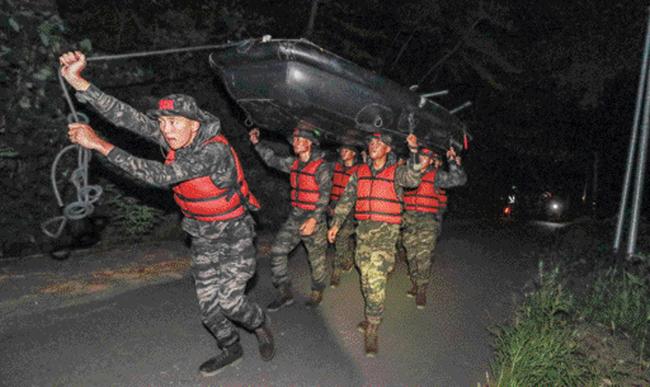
[[105, 325]]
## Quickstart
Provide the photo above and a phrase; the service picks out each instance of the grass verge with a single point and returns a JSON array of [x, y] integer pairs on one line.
[[597, 339]]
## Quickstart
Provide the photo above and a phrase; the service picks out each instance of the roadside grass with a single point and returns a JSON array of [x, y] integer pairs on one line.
[[620, 300], [598, 338], [541, 347]]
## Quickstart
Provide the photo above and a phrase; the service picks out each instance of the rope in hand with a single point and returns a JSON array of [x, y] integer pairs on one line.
[[87, 194]]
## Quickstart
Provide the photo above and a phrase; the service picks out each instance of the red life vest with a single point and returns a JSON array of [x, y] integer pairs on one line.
[[441, 194], [376, 196], [340, 179], [304, 187], [201, 199], [425, 198]]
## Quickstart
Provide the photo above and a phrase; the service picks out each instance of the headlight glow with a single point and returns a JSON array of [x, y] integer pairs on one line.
[[555, 206]]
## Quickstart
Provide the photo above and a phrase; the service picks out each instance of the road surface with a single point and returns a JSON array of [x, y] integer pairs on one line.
[[129, 316]]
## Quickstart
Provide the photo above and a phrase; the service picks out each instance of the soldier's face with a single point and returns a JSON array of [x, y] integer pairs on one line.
[[178, 131], [425, 161], [377, 149], [346, 154], [301, 145]]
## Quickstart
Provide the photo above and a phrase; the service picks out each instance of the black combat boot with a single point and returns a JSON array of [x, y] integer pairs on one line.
[[315, 298], [230, 355], [265, 340], [285, 298]]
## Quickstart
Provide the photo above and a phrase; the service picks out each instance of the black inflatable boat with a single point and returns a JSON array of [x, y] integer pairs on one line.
[[279, 82]]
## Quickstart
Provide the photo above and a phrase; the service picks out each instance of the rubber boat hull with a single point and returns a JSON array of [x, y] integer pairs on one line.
[[277, 83]]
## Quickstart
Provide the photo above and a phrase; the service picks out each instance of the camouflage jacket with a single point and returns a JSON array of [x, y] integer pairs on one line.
[[333, 203], [323, 177], [455, 177], [406, 176], [193, 161]]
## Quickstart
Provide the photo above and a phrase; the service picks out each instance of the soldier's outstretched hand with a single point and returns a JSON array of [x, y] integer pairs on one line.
[[331, 234], [452, 156], [85, 136], [412, 142], [254, 136], [308, 227], [72, 64]]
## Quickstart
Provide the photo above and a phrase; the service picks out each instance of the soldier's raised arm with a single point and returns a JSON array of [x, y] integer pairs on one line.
[[456, 175], [409, 175], [268, 155], [207, 160], [115, 111]]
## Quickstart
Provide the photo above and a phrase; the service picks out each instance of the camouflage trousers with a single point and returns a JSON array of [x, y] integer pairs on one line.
[[419, 235], [375, 255], [287, 239], [344, 245], [221, 268]]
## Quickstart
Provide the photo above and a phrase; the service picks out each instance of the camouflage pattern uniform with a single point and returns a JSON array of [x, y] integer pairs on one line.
[[223, 254], [376, 241], [420, 230], [289, 235], [344, 244]]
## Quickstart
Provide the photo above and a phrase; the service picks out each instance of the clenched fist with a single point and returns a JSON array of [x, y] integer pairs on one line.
[[72, 64], [85, 136], [254, 136]]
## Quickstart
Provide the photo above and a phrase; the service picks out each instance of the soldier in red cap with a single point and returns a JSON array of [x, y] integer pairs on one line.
[[208, 182], [421, 221], [310, 177]]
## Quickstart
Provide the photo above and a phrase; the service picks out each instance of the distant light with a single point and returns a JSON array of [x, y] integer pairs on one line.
[[296, 74], [555, 206]]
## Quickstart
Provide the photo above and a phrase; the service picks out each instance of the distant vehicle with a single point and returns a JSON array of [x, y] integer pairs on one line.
[[552, 207], [545, 206], [509, 211]]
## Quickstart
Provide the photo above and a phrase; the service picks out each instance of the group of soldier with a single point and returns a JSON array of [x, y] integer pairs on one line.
[[370, 202]]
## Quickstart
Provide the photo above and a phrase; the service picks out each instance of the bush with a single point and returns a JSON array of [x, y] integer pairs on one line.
[[132, 217], [619, 300], [541, 348]]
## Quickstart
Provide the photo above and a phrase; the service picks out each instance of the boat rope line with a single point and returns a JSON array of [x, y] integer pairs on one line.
[[86, 194]]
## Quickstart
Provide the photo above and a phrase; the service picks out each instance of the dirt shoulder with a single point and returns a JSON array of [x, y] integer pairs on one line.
[[40, 282]]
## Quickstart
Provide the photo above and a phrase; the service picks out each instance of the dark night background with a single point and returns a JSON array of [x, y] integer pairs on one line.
[[553, 86]]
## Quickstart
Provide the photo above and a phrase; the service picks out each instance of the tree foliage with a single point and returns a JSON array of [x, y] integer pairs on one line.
[[422, 40], [537, 74], [32, 117], [581, 53]]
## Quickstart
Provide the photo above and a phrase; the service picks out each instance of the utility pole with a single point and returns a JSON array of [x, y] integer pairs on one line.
[[641, 115]]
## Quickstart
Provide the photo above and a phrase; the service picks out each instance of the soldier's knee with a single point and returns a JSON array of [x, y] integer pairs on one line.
[[280, 249], [232, 306]]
